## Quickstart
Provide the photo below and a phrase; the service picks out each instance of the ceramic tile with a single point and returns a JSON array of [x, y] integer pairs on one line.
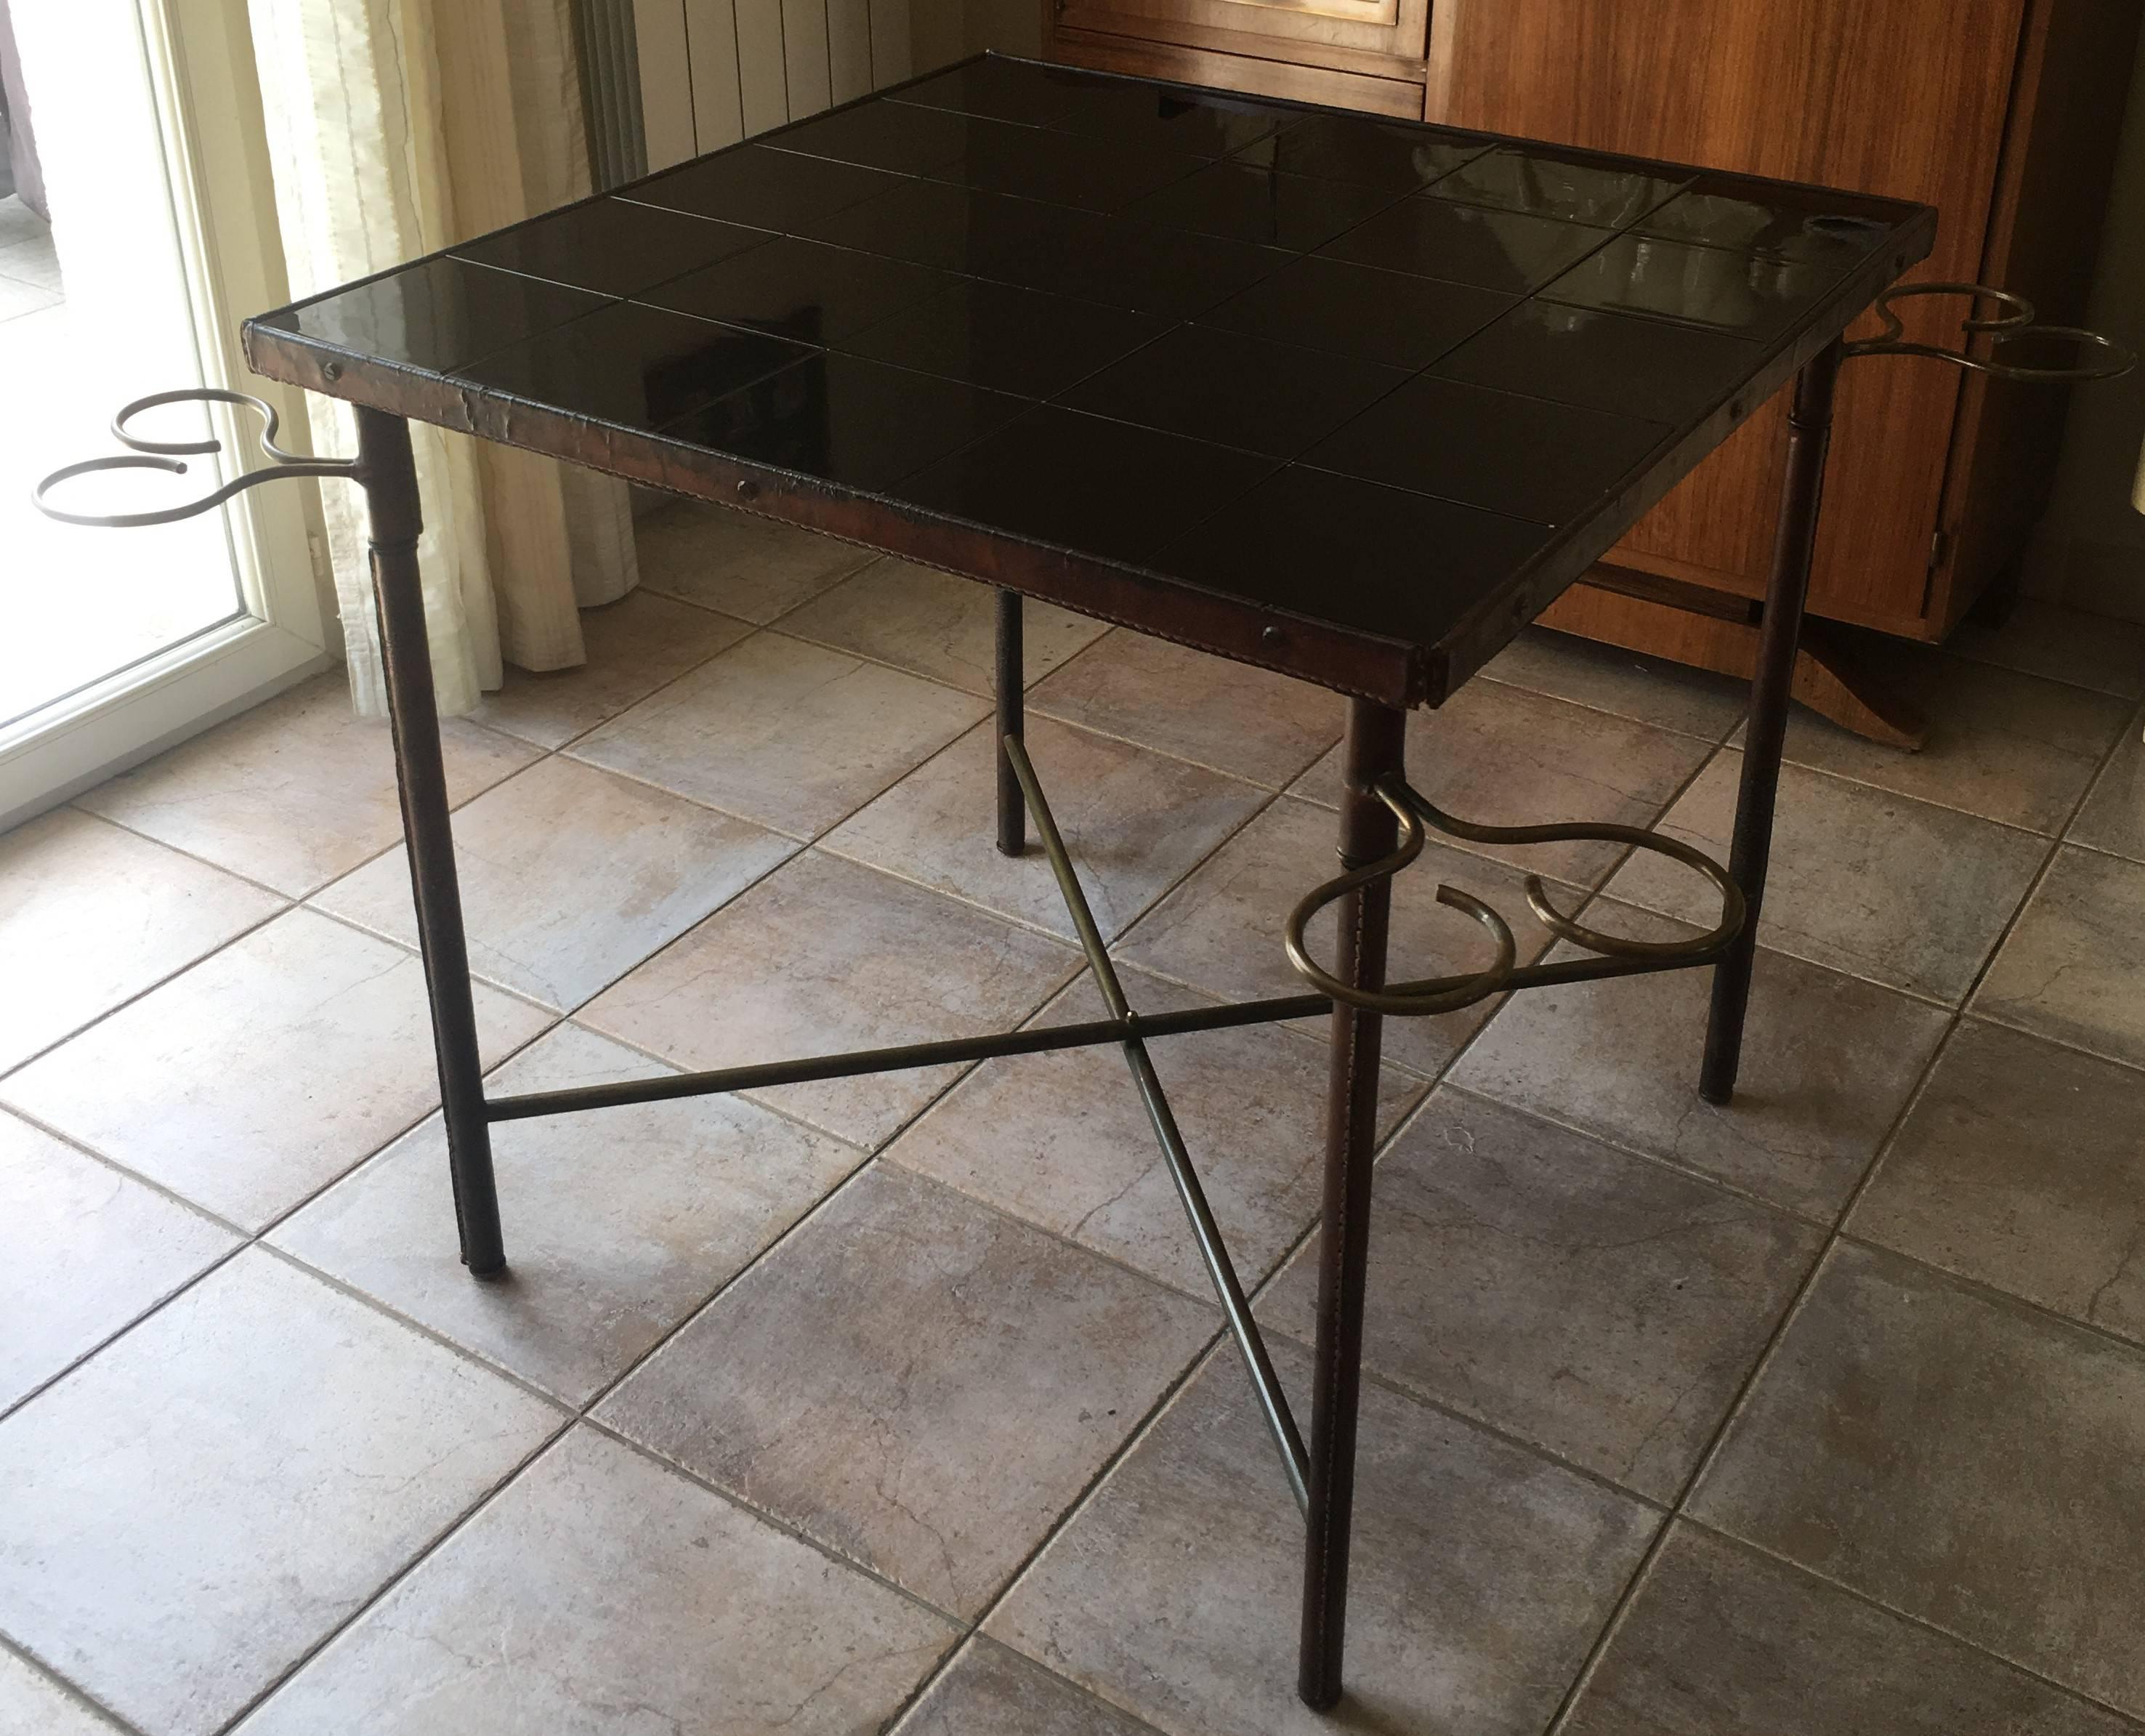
[[1249, 203], [1060, 1140], [783, 734], [436, 315], [1221, 930], [1599, 1305], [2064, 644], [83, 1250], [602, 1593], [1828, 1062], [768, 188], [2069, 970], [1358, 310], [2113, 816], [1743, 294], [1507, 251], [570, 876], [989, 1689], [1524, 178], [1834, 239], [1956, 1458], [1007, 90], [613, 246], [1365, 151], [32, 1703], [823, 956], [294, 792], [1134, 821], [634, 645], [916, 1382], [1205, 123], [901, 137], [1499, 756], [2019, 1166], [1861, 880], [93, 915], [936, 624], [619, 1223], [1721, 1642], [1605, 677], [984, 333], [1245, 721], [264, 1071], [262, 1454], [1090, 173], [753, 569], [1481, 1575]]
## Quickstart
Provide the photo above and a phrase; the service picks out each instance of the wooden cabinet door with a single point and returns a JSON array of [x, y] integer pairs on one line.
[[1903, 98], [1376, 38]]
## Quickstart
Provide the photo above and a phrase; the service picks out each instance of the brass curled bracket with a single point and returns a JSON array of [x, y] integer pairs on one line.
[[1447, 994], [171, 456], [2018, 324]]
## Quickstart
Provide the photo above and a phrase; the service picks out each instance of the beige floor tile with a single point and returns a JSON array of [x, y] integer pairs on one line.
[[1500, 756], [263, 1071], [791, 735], [2072, 967], [2066, 644], [752, 568], [191, 1511], [1481, 1575], [91, 915], [989, 1691], [635, 646], [1647, 689], [1958, 1458], [1828, 1061], [1134, 821], [1598, 1304], [936, 624], [294, 792], [1062, 1140], [1721, 1642], [825, 956], [2113, 817], [1248, 722], [602, 1593], [570, 876], [83, 1250], [2021, 1166], [916, 1382], [31, 1703], [2005, 746], [619, 1222], [1885, 887], [1221, 930]]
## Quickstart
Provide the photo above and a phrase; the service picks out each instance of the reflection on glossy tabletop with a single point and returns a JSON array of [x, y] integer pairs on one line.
[[614, 246]]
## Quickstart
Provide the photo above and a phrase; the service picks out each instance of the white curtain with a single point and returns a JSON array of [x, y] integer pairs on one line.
[[398, 127]]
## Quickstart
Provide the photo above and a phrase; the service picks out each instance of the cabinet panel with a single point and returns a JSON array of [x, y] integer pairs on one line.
[[1379, 37]]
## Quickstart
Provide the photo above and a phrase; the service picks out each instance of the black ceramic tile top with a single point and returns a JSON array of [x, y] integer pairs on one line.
[[638, 366], [1235, 390], [1328, 304], [1252, 204], [1647, 368], [1495, 249], [1010, 340], [1551, 186], [611, 247], [1175, 119], [1743, 293], [1832, 240], [1111, 259], [1384, 560], [801, 290], [1524, 457], [766, 188], [1082, 483], [852, 423], [1005, 90], [436, 315], [898, 136], [1095, 174], [1365, 152]]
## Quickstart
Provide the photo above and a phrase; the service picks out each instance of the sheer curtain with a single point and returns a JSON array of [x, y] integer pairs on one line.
[[400, 126]]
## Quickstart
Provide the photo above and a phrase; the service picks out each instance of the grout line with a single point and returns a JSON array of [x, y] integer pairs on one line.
[[66, 1689]]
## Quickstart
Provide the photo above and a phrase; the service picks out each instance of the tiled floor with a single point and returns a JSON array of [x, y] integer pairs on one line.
[[900, 1401]]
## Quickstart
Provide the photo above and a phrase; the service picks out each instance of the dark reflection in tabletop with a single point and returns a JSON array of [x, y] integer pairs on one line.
[[438, 314], [1353, 309], [802, 289], [1010, 340], [613, 246], [767, 188], [1249, 203], [1746, 293], [1365, 152], [1652, 369], [1552, 186], [1495, 249]]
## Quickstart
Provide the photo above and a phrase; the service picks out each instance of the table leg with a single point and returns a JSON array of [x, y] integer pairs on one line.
[[1012, 809], [1772, 690], [1368, 831], [390, 476]]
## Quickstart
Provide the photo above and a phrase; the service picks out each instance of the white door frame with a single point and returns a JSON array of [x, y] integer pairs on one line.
[[197, 57]]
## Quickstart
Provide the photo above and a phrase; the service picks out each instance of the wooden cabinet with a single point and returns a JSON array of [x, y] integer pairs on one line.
[[2001, 113]]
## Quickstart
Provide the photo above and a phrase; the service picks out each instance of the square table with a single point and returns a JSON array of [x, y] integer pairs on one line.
[[1352, 399]]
